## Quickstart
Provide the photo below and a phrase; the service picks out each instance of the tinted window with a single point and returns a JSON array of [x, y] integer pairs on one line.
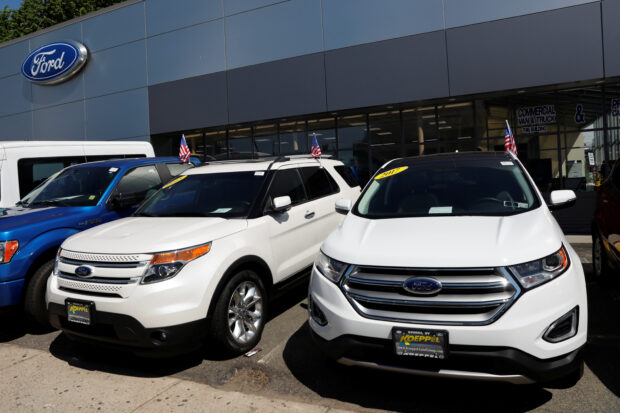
[[178, 168], [228, 195], [318, 183], [615, 177], [141, 182], [33, 171], [288, 182], [347, 174]]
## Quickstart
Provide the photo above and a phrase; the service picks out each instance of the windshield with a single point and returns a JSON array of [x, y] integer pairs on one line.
[[449, 186], [226, 195], [72, 187]]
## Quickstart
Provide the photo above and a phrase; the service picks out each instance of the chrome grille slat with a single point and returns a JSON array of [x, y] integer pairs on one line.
[[103, 264], [469, 296], [109, 258], [98, 280]]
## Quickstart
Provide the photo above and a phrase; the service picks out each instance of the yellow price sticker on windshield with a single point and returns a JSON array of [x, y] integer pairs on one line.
[[180, 178], [391, 172]]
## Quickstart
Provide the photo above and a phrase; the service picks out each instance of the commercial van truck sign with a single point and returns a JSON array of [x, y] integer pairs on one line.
[[533, 119], [54, 62]]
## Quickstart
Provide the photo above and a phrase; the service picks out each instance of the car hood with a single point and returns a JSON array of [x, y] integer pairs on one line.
[[18, 220], [444, 242], [143, 235]]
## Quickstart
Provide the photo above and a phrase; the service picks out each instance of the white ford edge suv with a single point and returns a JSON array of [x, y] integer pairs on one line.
[[452, 265], [201, 257]]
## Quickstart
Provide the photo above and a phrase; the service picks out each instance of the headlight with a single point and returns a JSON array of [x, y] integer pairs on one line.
[[329, 267], [7, 250], [165, 265], [55, 271], [534, 273]]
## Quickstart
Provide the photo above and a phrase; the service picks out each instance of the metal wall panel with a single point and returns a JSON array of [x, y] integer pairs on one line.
[[461, 13], [194, 51], [15, 95], [12, 57], [59, 123], [276, 32], [69, 91], [399, 70], [160, 18], [611, 37], [189, 103], [120, 115], [552, 47], [284, 88], [116, 69], [16, 127], [239, 6], [352, 22], [71, 32], [119, 26]]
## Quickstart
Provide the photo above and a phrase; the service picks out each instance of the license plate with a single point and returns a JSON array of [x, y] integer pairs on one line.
[[80, 313], [432, 344]]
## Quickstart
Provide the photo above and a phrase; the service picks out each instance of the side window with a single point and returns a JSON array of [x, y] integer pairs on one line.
[[615, 177], [177, 168], [33, 171], [318, 183], [347, 174], [288, 182], [141, 182]]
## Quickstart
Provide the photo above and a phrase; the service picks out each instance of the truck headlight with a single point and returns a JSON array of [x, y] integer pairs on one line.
[[165, 265], [534, 273], [329, 267], [7, 250]]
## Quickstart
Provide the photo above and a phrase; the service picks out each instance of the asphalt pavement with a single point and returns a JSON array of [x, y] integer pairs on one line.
[[44, 371]]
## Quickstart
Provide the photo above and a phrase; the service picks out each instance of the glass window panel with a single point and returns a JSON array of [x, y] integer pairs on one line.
[[216, 148], [293, 138], [325, 129], [357, 162], [455, 121], [420, 131], [240, 142], [580, 109], [195, 143], [265, 140], [351, 131], [287, 182], [385, 131]]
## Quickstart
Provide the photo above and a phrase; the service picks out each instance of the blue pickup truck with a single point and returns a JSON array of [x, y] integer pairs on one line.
[[72, 200]]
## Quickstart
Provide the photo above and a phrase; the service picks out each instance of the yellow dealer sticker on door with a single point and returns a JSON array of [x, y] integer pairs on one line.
[[391, 172], [180, 178]]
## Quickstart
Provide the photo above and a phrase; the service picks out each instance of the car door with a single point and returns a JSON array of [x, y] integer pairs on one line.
[[291, 245]]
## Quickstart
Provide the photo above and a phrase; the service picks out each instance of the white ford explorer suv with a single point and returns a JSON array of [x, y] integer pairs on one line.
[[452, 265], [200, 257]]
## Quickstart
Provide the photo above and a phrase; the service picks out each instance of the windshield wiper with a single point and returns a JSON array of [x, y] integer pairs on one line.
[[186, 214], [22, 204], [50, 202]]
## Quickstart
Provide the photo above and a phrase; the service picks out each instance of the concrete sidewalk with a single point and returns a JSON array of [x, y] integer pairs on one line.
[[36, 381]]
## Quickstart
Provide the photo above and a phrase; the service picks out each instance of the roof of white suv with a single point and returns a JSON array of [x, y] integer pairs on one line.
[[257, 164]]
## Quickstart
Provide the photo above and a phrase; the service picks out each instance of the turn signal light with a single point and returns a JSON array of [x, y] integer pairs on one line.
[[7, 250], [181, 255]]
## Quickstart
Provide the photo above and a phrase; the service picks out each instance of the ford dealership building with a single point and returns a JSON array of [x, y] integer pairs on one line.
[[374, 79]]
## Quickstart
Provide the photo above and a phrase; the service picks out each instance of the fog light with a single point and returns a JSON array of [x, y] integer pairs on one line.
[[316, 313], [564, 327]]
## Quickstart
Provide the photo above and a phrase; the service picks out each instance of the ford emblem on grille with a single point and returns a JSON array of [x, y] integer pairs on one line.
[[83, 271], [422, 286]]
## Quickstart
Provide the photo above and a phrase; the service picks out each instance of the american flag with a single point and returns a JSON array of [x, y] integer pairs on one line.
[[316, 149], [184, 151], [510, 145]]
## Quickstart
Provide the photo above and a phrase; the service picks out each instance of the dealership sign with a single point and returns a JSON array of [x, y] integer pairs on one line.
[[54, 62], [537, 116]]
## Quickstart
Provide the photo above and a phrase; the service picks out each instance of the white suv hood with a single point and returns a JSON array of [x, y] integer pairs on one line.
[[143, 235], [443, 242]]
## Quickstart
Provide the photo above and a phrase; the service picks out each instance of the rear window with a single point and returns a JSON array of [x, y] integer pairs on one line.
[[318, 183], [347, 174], [33, 171], [178, 168]]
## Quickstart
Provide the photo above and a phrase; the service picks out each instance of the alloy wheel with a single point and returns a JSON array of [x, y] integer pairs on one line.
[[245, 312]]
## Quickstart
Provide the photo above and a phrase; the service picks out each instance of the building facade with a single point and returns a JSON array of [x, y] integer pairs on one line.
[[373, 79]]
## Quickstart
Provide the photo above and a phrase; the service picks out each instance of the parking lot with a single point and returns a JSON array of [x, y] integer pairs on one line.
[[288, 373]]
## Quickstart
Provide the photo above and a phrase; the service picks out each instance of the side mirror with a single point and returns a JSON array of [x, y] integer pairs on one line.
[[343, 206], [562, 199], [281, 204]]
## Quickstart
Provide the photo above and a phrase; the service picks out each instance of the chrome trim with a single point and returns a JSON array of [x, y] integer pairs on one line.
[[119, 281], [105, 258], [502, 305], [454, 374], [102, 264]]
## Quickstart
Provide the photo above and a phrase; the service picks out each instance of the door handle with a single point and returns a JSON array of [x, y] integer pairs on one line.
[[309, 214]]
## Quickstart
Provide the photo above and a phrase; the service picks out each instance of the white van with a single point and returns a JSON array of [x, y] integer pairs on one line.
[[25, 164]]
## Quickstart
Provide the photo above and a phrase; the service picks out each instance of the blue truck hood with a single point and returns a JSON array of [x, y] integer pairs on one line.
[[24, 223]]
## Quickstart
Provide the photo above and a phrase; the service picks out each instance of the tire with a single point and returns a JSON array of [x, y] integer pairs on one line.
[[599, 258], [235, 325], [34, 299]]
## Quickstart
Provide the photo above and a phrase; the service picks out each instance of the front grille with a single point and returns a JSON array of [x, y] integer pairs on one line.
[[469, 296]]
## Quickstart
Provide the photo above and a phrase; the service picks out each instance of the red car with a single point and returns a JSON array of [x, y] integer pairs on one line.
[[606, 226]]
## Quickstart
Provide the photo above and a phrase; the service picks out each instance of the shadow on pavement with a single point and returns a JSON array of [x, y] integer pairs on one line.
[[16, 325], [401, 392]]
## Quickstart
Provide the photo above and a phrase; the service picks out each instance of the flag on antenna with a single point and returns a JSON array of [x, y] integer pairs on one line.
[[510, 145], [184, 151], [316, 149]]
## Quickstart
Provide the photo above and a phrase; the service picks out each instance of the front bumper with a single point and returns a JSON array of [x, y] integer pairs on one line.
[[11, 292], [512, 345], [125, 332]]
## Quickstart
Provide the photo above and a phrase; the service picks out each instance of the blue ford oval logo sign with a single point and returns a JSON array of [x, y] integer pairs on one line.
[[83, 271], [54, 62], [422, 286]]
